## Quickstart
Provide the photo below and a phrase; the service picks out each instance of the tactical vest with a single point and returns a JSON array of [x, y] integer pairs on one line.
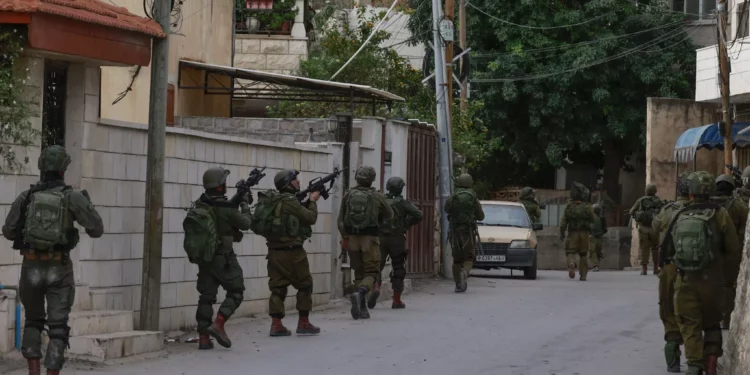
[[273, 223], [397, 224], [650, 206], [48, 219], [463, 210]]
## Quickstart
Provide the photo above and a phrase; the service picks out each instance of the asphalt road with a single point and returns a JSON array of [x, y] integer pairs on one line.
[[501, 325]]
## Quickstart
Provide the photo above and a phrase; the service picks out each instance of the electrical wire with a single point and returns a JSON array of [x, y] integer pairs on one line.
[[123, 94], [536, 27], [690, 35]]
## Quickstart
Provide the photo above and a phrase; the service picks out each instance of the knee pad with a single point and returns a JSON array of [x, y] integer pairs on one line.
[[398, 273], [279, 292], [207, 300], [59, 332], [235, 295], [36, 324], [306, 290], [713, 336]]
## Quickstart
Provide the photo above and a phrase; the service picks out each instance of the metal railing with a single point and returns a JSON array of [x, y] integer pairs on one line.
[[262, 21]]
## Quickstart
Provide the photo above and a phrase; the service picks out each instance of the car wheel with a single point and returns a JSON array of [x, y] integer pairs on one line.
[[529, 273]]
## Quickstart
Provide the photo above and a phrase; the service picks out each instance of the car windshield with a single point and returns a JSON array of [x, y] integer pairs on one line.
[[505, 216]]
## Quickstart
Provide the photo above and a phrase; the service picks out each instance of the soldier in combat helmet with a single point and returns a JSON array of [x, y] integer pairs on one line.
[[464, 210], [744, 192], [577, 220], [643, 211], [393, 240], [362, 211], [527, 197], [598, 230], [45, 239]]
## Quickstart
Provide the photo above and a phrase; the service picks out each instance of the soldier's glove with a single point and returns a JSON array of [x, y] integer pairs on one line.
[[249, 197]]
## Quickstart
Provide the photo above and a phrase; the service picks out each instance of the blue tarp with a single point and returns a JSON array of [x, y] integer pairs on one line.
[[708, 137]]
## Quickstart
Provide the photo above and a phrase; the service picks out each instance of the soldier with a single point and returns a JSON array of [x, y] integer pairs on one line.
[[527, 197], [738, 211], [286, 224], [577, 219], [362, 211], [703, 245], [464, 210], [744, 192], [393, 241], [45, 238], [667, 277], [598, 229], [643, 211], [223, 269]]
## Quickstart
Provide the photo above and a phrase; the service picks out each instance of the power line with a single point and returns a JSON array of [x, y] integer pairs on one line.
[[536, 27]]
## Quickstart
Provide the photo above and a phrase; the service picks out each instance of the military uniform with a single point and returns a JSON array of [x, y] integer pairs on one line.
[[47, 272], [528, 199], [464, 210], [577, 220], [738, 211], [699, 290], [667, 278], [598, 230], [743, 192], [362, 210], [643, 211], [224, 270], [393, 241], [287, 259]]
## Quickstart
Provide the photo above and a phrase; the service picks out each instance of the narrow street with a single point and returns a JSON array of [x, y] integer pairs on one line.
[[502, 325]]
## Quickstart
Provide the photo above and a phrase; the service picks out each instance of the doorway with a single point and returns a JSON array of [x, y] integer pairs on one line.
[[53, 103]]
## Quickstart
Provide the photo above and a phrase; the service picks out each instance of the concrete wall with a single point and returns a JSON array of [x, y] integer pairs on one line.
[[736, 358], [615, 247], [276, 53], [285, 131], [396, 26]]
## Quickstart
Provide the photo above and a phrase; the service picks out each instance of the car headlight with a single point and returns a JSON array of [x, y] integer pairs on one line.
[[520, 244]]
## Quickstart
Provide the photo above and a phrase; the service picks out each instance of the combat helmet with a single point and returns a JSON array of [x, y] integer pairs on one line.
[[215, 177], [650, 189], [683, 188], [725, 178], [365, 175], [527, 193], [701, 183], [465, 181], [284, 179], [579, 192], [53, 159], [597, 208], [395, 185]]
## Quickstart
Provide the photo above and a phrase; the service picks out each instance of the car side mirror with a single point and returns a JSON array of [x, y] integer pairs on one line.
[[537, 226]]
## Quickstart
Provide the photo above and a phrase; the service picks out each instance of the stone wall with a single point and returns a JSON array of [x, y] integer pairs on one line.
[[736, 360], [276, 54], [285, 131]]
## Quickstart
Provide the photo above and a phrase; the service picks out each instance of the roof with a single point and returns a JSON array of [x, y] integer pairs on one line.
[[89, 11], [708, 137], [292, 87]]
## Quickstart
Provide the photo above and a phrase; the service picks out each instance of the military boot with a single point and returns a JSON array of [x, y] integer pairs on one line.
[[596, 269], [672, 355], [373, 300], [354, 299], [35, 367], [204, 342], [572, 270], [645, 270], [364, 313], [53, 372], [712, 363], [692, 370], [278, 329], [464, 284], [458, 288], [216, 330], [304, 327], [397, 304]]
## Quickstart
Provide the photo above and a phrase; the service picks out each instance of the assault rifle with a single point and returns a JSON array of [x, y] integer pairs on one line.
[[319, 185], [737, 174], [243, 186]]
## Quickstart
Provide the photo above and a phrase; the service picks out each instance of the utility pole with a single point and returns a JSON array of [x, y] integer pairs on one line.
[[444, 140], [450, 11], [462, 43], [724, 70], [157, 118]]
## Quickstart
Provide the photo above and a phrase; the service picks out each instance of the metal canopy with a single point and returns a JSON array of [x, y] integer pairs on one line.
[[255, 84], [708, 137]]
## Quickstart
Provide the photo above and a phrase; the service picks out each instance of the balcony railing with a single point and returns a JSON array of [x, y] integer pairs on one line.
[[273, 17]]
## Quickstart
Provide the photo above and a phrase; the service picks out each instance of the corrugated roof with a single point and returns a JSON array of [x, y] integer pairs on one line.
[[90, 11], [357, 91]]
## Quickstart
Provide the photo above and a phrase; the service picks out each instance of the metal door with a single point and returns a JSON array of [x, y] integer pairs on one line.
[[420, 187]]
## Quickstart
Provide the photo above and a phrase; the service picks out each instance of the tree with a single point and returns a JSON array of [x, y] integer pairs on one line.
[[574, 93]]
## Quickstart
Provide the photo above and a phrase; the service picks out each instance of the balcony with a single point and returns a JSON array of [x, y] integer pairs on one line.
[[707, 73], [270, 17]]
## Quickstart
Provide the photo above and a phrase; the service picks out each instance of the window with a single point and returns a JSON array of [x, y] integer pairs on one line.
[[743, 27], [702, 8], [505, 216], [53, 107]]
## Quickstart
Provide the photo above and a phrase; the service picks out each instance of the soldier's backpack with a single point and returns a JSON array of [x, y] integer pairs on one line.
[[463, 208], [361, 210], [693, 237], [650, 206], [396, 224], [47, 219], [266, 218], [597, 227], [201, 235]]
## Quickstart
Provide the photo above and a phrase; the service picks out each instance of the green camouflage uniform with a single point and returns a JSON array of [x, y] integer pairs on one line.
[[528, 199], [667, 278], [699, 294], [598, 230], [463, 233], [647, 238], [47, 274], [738, 211], [743, 192], [577, 220], [393, 233], [224, 270], [363, 245]]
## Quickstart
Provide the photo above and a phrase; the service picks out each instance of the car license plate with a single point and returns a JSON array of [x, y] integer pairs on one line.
[[490, 258]]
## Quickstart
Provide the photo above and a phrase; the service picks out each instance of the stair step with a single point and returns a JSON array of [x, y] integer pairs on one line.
[[83, 323], [82, 301], [115, 346]]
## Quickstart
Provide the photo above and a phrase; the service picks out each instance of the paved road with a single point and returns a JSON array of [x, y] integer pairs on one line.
[[553, 325]]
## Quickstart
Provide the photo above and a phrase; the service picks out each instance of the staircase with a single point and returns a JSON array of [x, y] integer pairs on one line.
[[108, 336]]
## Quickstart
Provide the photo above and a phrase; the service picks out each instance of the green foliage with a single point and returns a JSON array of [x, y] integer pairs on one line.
[[588, 113], [283, 10], [15, 127]]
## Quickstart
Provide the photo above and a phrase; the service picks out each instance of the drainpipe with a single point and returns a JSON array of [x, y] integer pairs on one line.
[[18, 312]]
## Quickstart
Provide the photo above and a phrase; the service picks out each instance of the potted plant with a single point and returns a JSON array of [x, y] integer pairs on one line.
[[253, 22], [284, 13]]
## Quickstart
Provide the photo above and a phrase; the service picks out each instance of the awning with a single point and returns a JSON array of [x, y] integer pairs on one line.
[[708, 137], [273, 86]]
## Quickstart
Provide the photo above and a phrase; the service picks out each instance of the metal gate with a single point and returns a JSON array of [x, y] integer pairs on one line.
[[420, 190]]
